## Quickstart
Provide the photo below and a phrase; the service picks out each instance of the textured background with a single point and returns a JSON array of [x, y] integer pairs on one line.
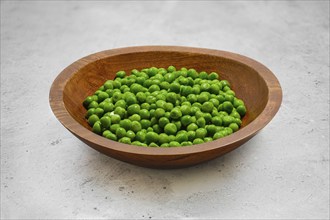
[[46, 172]]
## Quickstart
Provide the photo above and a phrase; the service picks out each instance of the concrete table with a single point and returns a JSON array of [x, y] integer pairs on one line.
[[46, 172]]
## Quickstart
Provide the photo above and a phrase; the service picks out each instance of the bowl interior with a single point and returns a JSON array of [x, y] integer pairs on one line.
[[245, 81]]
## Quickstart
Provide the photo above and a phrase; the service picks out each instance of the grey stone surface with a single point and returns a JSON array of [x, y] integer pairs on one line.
[[46, 172]]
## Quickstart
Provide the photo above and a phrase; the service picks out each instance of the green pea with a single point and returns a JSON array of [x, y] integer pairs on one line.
[[198, 141], [241, 110], [105, 122], [111, 136], [170, 129], [176, 113], [97, 127], [92, 119], [163, 121]]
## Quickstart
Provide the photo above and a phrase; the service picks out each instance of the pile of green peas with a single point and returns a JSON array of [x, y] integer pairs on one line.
[[160, 107]]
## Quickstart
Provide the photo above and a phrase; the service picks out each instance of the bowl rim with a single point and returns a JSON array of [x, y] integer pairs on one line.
[[58, 107]]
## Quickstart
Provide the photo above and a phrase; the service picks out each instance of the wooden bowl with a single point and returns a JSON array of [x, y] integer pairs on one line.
[[252, 82]]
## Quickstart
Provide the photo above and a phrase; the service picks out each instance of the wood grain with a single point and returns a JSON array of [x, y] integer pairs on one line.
[[252, 82]]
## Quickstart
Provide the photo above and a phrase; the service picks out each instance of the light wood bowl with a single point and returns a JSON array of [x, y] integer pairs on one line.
[[252, 82]]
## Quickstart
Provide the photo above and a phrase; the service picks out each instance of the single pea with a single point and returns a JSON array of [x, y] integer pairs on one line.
[[183, 80], [135, 117], [163, 121], [92, 119], [228, 130], [151, 99], [144, 113], [99, 112], [186, 143], [105, 133], [238, 121], [207, 107], [111, 136], [125, 140], [156, 128], [171, 69], [215, 102], [217, 120], [176, 113], [135, 126], [226, 89], [199, 114], [121, 74], [167, 114], [181, 138], [115, 119], [160, 103], [140, 136], [218, 135], [225, 83], [234, 127], [105, 122], [229, 98], [228, 107], [120, 103], [208, 139], [93, 104], [201, 133], [192, 127], [191, 135], [165, 145], [170, 129], [241, 110], [198, 141], [90, 112], [152, 71], [175, 87], [141, 97], [108, 107], [193, 110], [154, 88], [108, 84], [192, 98], [185, 120], [130, 134], [97, 127], [223, 113], [114, 127], [208, 118], [205, 87], [213, 76], [235, 114], [145, 106], [186, 90], [196, 89], [145, 123], [133, 109], [152, 111], [177, 124], [185, 109], [163, 138], [125, 123], [164, 85], [237, 102], [117, 96], [192, 73], [203, 75], [214, 89], [151, 137], [153, 145], [171, 97], [221, 98], [211, 130], [87, 101], [201, 122], [120, 111], [202, 98], [174, 144], [159, 112], [121, 132], [227, 120]]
